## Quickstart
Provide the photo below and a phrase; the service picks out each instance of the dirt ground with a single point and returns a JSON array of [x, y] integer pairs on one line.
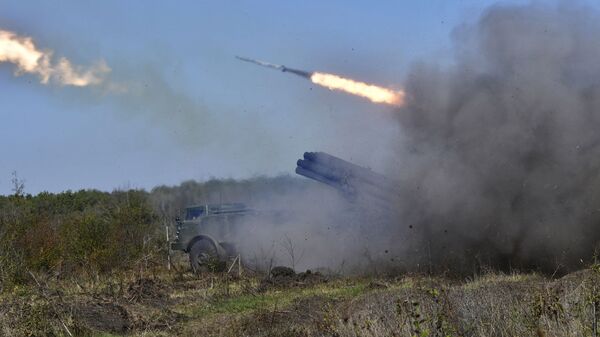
[[305, 304]]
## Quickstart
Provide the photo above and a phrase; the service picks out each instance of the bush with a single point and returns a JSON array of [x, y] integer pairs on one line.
[[70, 232]]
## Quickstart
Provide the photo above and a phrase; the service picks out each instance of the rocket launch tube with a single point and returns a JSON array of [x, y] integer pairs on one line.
[[352, 180], [331, 165], [335, 184], [349, 190], [328, 172]]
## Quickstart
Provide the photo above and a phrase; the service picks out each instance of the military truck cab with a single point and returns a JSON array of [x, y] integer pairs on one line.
[[207, 233]]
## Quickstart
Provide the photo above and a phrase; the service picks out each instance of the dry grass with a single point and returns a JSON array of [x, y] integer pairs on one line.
[[172, 304]]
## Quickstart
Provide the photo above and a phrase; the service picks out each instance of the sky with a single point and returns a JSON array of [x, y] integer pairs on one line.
[[200, 113]]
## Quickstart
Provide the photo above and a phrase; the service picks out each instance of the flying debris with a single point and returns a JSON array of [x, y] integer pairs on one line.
[[372, 92], [280, 67]]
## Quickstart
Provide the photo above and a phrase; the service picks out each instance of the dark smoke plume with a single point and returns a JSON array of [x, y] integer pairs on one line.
[[501, 150]]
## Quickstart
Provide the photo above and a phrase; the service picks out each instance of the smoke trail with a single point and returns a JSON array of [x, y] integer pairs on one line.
[[22, 52], [502, 149]]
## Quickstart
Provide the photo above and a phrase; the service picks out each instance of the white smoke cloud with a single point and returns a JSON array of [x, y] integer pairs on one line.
[[23, 53]]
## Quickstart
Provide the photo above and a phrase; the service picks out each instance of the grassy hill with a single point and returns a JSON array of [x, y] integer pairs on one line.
[[180, 304]]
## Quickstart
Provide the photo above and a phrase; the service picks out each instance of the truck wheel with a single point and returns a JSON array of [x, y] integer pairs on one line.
[[229, 249], [204, 257]]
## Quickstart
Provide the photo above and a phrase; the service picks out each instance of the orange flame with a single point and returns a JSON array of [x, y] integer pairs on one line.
[[22, 52], [374, 93]]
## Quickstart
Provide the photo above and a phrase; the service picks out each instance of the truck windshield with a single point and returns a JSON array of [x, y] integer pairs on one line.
[[194, 212]]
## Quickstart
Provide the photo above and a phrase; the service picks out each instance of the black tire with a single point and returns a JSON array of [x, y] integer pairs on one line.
[[204, 257]]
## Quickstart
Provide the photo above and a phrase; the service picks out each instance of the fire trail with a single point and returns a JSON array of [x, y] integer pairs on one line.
[[374, 93]]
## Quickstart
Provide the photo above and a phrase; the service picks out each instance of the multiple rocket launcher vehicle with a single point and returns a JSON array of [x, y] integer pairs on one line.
[[208, 232]]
